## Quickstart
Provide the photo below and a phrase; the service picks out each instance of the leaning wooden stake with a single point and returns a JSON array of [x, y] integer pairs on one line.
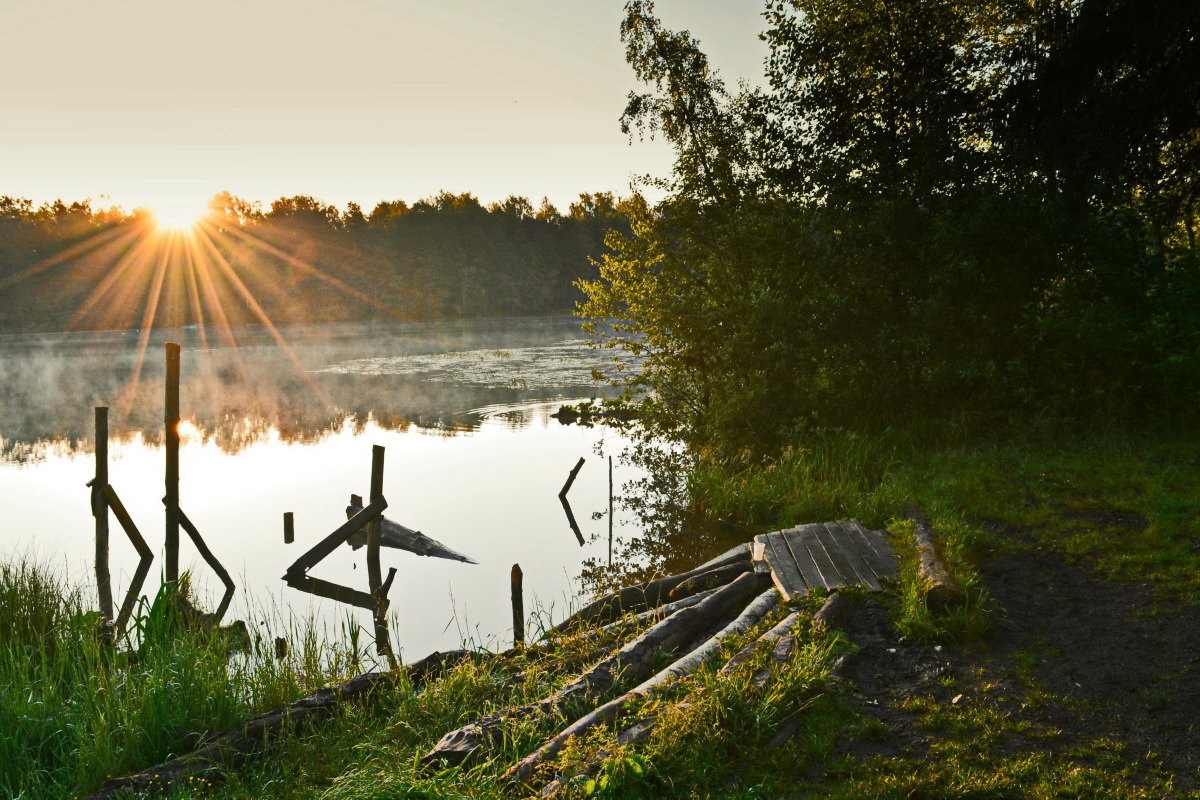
[[146, 557], [938, 586], [100, 512], [571, 478], [211, 560], [171, 499], [297, 574], [562, 498]]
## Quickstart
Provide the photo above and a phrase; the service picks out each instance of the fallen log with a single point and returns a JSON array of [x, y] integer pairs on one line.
[[785, 626], [829, 614], [646, 595], [640, 731], [938, 587], [230, 747], [706, 580], [524, 770], [661, 612], [632, 662]]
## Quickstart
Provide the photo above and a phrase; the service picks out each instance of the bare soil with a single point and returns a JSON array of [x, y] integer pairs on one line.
[[1074, 656]]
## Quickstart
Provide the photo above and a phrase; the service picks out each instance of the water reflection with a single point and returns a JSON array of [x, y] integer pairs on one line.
[[473, 459], [432, 376]]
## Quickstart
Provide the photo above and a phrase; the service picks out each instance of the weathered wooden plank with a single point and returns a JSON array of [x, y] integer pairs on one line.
[[858, 547], [877, 552], [804, 540], [788, 579], [845, 553], [804, 565], [846, 573]]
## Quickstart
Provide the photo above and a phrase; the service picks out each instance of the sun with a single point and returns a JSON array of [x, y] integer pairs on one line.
[[177, 214]]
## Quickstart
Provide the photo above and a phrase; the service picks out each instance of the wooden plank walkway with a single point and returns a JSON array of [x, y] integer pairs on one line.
[[824, 555]]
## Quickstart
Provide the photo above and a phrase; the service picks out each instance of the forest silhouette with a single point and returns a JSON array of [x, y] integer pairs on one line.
[[75, 266]]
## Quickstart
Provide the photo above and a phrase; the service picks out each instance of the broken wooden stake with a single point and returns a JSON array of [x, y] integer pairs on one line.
[[383, 643], [562, 498], [145, 558], [518, 606]]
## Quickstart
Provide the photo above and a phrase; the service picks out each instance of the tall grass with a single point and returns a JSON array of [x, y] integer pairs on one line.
[[75, 711]]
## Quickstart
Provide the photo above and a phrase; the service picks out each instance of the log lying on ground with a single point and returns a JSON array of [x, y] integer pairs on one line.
[[785, 627], [524, 770], [649, 594], [640, 731], [785, 643], [938, 587], [632, 662], [831, 613], [230, 747], [706, 580], [653, 615], [661, 612]]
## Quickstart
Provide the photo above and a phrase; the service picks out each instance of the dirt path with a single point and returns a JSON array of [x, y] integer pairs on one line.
[[1074, 659]]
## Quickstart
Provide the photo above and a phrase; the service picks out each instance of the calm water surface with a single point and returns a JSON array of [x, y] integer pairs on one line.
[[463, 409]]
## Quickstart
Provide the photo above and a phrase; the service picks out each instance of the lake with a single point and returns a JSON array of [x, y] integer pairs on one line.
[[285, 420]]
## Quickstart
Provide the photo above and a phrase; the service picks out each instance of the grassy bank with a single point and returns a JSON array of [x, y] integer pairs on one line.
[[970, 491], [75, 711], [1119, 509]]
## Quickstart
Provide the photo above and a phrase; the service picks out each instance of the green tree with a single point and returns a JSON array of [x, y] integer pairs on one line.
[[874, 235]]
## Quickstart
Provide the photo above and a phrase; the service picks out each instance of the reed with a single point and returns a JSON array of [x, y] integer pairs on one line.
[[75, 711]]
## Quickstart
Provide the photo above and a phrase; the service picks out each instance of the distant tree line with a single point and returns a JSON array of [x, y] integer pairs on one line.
[[300, 260], [940, 210]]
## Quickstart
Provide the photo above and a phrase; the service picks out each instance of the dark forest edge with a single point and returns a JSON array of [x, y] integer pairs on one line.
[[950, 211], [301, 260]]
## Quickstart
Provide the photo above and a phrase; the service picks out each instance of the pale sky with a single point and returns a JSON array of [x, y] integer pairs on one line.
[[165, 102]]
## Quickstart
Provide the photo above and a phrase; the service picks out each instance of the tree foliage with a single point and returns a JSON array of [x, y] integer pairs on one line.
[[934, 208]]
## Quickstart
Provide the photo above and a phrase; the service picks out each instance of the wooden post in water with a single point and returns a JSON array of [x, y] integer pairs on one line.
[[289, 527], [518, 606], [171, 499], [100, 512], [383, 645], [562, 498], [610, 510]]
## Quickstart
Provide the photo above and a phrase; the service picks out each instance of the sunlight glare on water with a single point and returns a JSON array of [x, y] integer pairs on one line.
[[475, 464]]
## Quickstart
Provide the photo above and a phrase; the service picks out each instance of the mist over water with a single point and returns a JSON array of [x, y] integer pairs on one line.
[[473, 459]]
